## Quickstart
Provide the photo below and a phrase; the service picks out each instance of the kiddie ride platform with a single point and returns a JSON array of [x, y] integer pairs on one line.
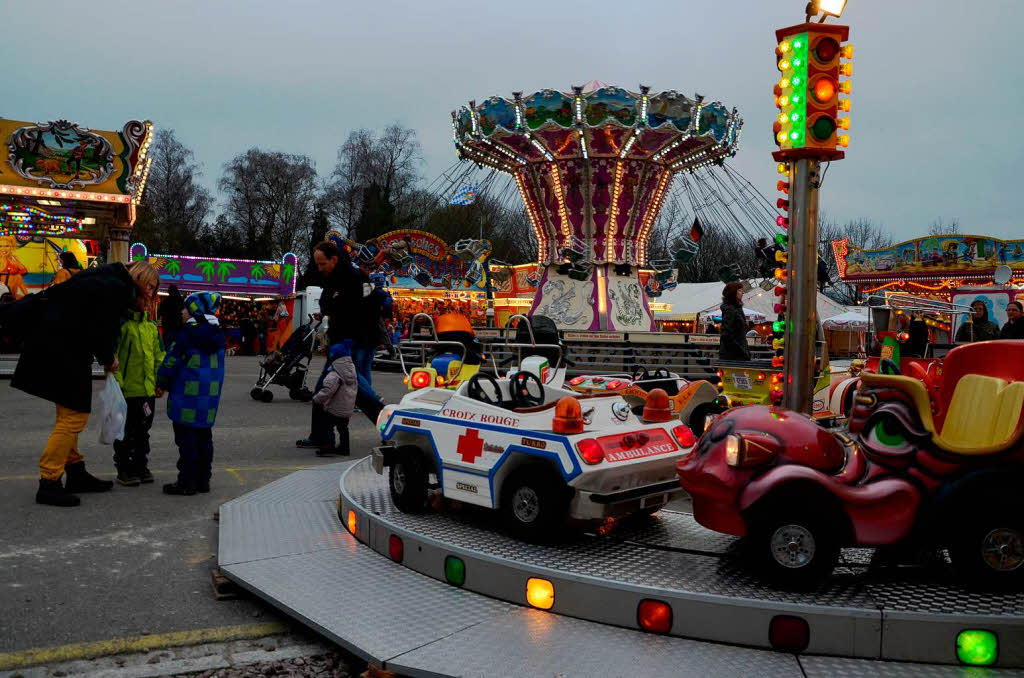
[[655, 596]]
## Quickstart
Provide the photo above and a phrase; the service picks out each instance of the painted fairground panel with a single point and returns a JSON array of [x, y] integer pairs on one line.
[[627, 306], [670, 107], [548, 106], [938, 256], [570, 303], [27, 265], [64, 155], [610, 104], [242, 276], [497, 112]]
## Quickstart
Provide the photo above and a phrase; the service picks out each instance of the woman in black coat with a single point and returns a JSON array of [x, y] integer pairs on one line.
[[64, 327], [732, 345], [1014, 327]]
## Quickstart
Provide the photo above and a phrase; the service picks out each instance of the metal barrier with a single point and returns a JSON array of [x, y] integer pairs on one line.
[[692, 356]]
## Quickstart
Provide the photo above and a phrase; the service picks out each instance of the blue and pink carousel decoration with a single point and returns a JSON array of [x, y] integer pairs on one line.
[[593, 167]]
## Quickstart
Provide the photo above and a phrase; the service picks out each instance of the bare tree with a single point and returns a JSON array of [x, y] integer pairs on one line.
[[943, 227], [270, 202], [381, 169], [862, 233], [175, 206]]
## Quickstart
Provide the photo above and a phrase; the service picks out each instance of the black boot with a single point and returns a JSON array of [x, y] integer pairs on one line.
[[80, 480], [53, 493], [179, 489]]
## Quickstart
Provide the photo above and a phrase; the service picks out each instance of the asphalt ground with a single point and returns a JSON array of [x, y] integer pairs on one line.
[[135, 562]]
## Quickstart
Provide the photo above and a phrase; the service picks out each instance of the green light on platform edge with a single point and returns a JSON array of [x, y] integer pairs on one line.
[[977, 648], [454, 570]]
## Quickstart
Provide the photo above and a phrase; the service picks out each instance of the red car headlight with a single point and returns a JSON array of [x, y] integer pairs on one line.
[[750, 451]]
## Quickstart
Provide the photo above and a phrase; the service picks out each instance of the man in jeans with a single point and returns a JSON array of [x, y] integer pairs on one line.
[[346, 303]]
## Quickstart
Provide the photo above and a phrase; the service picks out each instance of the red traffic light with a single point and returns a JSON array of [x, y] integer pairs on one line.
[[826, 49]]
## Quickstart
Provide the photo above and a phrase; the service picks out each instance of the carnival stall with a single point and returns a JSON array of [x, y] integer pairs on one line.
[[258, 296], [65, 187], [845, 332], [950, 268]]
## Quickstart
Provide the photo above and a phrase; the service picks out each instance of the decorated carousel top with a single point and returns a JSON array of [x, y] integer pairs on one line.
[[594, 165]]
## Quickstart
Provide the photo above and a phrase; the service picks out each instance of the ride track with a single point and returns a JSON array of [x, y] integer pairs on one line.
[[285, 544]]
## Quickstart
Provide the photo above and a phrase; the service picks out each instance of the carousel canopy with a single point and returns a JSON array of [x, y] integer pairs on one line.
[[851, 321], [691, 299], [593, 165]]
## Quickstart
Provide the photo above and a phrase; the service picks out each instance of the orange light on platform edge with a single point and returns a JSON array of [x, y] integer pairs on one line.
[[351, 522], [654, 616], [540, 593]]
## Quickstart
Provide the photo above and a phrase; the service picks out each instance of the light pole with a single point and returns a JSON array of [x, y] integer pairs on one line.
[[807, 132]]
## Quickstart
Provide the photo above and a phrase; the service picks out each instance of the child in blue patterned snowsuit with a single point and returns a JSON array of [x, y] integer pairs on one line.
[[192, 373]]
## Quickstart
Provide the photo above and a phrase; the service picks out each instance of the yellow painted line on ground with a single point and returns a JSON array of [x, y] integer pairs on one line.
[[156, 641], [232, 470]]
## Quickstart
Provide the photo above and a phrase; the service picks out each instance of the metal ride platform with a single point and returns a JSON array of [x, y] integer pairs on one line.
[[289, 543]]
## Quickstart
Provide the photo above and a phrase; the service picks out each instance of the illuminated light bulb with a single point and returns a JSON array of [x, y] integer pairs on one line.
[[784, 83], [845, 87], [783, 100], [797, 61], [782, 186], [784, 65], [784, 47], [796, 98], [846, 52], [794, 135], [844, 123], [780, 274], [781, 222], [797, 44], [843, 140], [844, 105], [846, 69], [796, 81], [794, 117], [783, 118], [782, 168], [781, 137]]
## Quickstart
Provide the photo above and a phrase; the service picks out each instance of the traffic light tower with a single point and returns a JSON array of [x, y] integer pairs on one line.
[[811, 58]]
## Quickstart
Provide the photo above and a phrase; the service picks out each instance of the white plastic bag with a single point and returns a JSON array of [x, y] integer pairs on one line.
[[113, 412]]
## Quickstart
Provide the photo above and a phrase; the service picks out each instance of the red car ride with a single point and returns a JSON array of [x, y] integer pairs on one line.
[[942, 472]]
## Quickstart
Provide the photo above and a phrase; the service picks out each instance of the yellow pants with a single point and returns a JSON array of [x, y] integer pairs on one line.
[[62, 446]]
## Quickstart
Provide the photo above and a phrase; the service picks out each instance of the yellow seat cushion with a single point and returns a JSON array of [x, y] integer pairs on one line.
[[982, 414]]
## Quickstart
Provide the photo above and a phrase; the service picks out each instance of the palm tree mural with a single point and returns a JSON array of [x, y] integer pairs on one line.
[[205, 268], [224, 269], [256, 272], [173, 267], [287, 271]]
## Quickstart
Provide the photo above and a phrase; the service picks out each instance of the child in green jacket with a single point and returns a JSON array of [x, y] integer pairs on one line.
[[139, 353]]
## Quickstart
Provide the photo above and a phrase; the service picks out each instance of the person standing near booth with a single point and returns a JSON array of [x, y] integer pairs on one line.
[[1014, 327], [978, 327], [732, 344]]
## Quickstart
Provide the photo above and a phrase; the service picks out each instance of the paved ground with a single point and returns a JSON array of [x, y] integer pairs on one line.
[[135, 561]]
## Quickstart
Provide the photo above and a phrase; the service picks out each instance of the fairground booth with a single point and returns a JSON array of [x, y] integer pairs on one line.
[[258, 296], [960, 269], [66, 188]]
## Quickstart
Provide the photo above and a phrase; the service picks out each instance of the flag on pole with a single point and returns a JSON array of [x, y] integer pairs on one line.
[[465, 196]]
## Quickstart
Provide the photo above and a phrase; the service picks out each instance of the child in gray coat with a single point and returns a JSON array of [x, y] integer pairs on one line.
[[337, 397]]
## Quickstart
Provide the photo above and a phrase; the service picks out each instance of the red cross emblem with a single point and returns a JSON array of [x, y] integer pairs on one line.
[[471, 445]]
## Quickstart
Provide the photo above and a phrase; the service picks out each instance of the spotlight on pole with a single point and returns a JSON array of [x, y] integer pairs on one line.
[[826, 8]]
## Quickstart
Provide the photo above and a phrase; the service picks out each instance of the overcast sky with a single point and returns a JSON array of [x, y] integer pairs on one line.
[[937, 102]]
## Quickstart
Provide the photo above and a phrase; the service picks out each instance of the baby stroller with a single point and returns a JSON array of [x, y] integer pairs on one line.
[[288, 366]]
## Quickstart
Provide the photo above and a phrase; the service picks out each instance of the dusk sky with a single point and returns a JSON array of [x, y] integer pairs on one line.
[[936, 104]]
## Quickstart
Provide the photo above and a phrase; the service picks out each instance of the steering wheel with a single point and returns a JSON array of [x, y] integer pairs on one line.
[[477, 392], [640, 373], [888, 366], [520, 391]]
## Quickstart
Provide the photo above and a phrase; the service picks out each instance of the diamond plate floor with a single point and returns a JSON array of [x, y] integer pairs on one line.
[[285, 544], [706, 561]]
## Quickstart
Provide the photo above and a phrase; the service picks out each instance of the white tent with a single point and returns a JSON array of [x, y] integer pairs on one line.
[[696, 298], [851, 321]]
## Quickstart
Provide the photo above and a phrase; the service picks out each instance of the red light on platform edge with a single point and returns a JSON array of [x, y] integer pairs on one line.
[[788, 633], [351, 522], [396, 549], [654, 616]]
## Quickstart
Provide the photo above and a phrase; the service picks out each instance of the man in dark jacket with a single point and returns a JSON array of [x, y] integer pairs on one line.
[[732, 344], [978, 327], [346, 303], [64, 327], [170, 314]]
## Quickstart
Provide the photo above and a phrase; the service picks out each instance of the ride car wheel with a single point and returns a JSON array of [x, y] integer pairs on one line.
[[989, 550], [795, 549], [407, 480], [534, 504], [267, 395]]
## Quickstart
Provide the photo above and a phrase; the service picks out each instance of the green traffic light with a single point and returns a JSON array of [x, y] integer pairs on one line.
[[823, 128], [977, 648]]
